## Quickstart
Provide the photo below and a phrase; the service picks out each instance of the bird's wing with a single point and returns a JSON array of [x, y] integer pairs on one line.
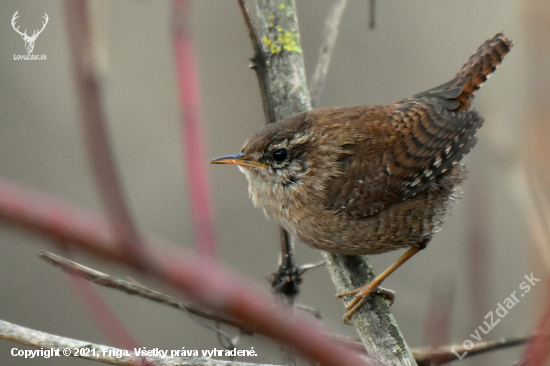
[[402, 157]]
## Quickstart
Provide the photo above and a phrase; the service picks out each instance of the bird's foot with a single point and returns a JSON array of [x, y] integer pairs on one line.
[[362, 295]]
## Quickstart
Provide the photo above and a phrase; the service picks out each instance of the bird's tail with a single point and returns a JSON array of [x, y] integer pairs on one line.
[[473, 74], [479, 67]]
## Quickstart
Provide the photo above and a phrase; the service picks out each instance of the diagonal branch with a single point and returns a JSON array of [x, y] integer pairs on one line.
[[103, 279], [426, 357], [99, 149]]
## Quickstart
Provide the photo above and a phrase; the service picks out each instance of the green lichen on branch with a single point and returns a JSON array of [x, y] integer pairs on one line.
[[279, 40]]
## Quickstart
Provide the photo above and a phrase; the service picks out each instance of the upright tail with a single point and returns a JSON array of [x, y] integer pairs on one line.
[[479, 67], [473, 74]]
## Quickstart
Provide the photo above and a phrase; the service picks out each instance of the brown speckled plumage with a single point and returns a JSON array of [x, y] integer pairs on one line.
[[369, 179]]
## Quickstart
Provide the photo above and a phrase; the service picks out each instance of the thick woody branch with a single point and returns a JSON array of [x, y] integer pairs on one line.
[[278, 31], [286, 280], [374, 322], [280, 39], [284, 92]]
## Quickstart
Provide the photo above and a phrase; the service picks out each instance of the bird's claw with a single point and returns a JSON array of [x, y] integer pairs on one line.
[[361, 296]]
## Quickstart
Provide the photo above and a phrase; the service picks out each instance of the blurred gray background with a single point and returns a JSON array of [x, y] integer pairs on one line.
[[416, 45]]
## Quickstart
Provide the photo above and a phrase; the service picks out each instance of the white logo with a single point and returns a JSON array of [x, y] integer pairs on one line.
[[29, 40]]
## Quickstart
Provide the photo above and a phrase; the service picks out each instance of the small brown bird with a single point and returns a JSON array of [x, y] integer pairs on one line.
[[369, 179]]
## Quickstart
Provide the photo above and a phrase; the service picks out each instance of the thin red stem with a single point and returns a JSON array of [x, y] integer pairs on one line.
[[195, 161], [537, 350], [102, 314]]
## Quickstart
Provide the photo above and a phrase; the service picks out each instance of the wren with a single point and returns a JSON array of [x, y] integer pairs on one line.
[[369, 179]]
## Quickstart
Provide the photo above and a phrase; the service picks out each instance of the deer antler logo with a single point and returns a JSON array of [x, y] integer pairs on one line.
[[29, 41]]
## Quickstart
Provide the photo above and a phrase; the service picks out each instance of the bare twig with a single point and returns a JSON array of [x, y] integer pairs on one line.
[[440, 306], [103, 279], [372, 14], [330, 34], [287, 279], [259, 63], [64, 347], [446, 354]]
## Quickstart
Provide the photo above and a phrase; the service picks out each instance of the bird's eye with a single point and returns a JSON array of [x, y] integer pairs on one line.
[[280, 155]]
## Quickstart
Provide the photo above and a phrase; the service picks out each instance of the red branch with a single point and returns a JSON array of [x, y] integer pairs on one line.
[[102, 314], [199, 278], [95, 129], [537, 350], [195, 161]]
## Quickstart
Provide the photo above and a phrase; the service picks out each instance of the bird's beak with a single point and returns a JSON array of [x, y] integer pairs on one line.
[[237, 159]]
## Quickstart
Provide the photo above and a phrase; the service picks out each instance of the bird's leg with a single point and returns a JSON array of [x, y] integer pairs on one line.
[[362, 293]]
